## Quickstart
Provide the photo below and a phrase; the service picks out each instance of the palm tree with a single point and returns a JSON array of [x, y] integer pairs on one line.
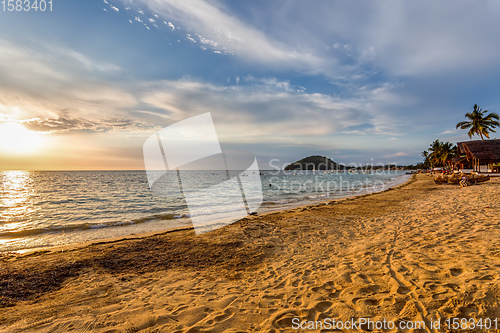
[[479, 123], [445, 153], [425, 155], [439, 153], [434, 153]]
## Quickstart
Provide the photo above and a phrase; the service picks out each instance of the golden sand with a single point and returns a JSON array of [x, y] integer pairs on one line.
[[419, 253]]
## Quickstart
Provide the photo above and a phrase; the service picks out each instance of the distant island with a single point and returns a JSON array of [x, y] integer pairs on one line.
[[315, 162]]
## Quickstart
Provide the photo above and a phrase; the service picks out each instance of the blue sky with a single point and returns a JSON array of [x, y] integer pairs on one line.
[[356, 81]]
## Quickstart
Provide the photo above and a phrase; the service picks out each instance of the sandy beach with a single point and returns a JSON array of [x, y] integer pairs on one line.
[[421, 252]]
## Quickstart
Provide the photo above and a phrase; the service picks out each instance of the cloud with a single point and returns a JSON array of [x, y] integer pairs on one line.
[[343, 40], [50, 90], [77, 57], [269, 109], [55, 100], [224, 33], [32, 66], [259, 109], [22, 64], [66, 123], [415, 38], [426, 37]]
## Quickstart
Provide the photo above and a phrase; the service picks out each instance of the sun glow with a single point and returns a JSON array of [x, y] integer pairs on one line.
[[15, 139]]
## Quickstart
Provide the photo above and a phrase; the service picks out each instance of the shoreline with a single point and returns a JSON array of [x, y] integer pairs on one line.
[[417, 252], [283, 208], [360, 192]]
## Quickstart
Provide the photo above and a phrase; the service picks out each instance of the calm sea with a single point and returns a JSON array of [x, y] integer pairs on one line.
[[47, 208]]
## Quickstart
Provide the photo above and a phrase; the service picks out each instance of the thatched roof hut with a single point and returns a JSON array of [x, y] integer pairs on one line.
[[458, 163], [480, 152], [487, 150]]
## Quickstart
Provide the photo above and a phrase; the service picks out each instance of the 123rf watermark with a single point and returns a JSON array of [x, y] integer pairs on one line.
[[26, 5], [383, 324]]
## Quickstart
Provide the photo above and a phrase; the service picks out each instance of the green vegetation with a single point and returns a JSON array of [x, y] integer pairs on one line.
[[313, 163], [479, 122], [439, 154], [317, 162]]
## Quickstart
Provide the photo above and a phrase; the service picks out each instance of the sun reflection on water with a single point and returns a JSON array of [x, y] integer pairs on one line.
[[16, 189]]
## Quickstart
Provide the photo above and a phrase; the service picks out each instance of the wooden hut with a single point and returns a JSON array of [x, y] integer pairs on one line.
[[460, 163], [482, 155]]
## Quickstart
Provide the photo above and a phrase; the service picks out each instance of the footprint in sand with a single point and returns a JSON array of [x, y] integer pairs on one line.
[[365, 301], [371, 301], [466, 311], [430, 285], [324, 286], [371, 289], [403, 290], [452, 286], [364, 278], [307, 273], [228, 313], [440, 296], [388, 301], [284, 318], [322, 306], [346, 277]]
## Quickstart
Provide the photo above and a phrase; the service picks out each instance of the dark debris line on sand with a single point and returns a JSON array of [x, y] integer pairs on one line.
[[26, 277], [24, 283]]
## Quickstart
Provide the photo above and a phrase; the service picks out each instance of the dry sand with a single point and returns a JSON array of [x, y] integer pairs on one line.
[[419, 252]]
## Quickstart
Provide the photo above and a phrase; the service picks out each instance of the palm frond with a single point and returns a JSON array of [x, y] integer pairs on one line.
[[480, 122], [464, 124]]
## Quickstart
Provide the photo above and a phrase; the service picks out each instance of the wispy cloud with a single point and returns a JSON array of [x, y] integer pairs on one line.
[[84, 60], [214, 28], [268, 109], [344, 41], [253, 109], [425, 38], [50, 90]]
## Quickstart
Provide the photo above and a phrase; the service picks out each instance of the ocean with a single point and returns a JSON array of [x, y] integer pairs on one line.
[[48, 208]]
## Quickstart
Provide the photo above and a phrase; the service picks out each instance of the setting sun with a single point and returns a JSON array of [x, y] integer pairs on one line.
[[15, 139]]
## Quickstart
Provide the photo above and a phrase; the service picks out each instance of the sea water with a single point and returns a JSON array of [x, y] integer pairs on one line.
[[47, 208]]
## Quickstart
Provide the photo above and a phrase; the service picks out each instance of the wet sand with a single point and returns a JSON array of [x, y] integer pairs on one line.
[[418, 252]]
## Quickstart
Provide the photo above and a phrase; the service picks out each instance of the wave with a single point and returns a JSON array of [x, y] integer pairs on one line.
[[98, 225], [88, 226]]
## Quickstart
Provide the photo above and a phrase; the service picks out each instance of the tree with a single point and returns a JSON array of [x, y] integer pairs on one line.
[[434, 153], [439, 153], [425, 155], [446, 153], [479, 122]]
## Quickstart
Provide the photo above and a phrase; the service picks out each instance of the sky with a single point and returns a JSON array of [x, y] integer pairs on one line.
[[357, 81]]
